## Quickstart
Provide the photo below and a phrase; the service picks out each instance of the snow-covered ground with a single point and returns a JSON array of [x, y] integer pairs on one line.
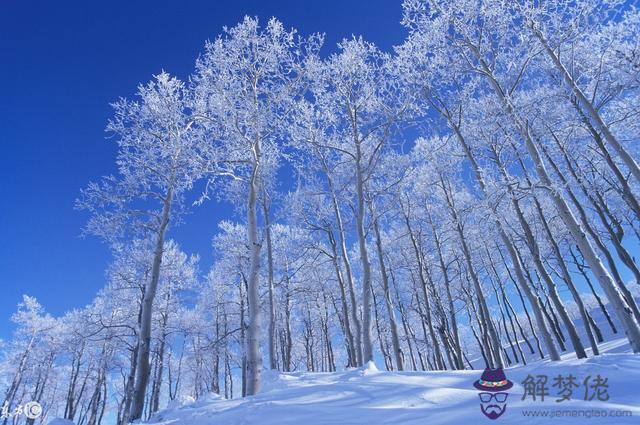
[[368, 396]]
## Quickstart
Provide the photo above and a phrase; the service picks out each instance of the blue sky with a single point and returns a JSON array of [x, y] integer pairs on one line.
[[61, 64]]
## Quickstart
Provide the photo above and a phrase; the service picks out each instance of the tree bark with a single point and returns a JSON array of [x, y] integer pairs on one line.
[[144, 341], [254, 357], [367, 343], [509, 309], [273, 364], [347, 263], [447, 282], [515, 258], [425, 293], [532, 244], [583, 272], [495, 347], [352, 359], [395, 340], [524, 306]]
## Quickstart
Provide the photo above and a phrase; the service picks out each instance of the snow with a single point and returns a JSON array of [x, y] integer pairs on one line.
[[369, 396], [59, 421]]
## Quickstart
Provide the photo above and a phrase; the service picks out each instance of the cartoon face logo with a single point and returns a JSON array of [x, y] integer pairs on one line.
[[493, 385]]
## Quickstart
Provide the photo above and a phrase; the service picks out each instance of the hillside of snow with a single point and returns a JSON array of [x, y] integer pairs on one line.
[[368, 396]]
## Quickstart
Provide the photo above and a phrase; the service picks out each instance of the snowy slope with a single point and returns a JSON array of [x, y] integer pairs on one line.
[[368, 396]]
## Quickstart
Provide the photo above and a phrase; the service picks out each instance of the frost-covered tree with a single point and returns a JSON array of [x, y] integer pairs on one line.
[[357, 104], [484, 49], [158, 161], [30, 355], [246, 86]]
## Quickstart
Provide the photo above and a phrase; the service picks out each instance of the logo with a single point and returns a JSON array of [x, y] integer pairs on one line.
[[32, 410], [493, 385]]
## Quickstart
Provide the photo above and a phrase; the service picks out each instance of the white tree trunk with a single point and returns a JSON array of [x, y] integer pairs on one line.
[[447, 284], [367, 344], [494, 353], [395, 340], [273, 364], [351, 349], [347, 266], [254, 357], [534, 249], [425, 294], [144, 338], [515, 258]]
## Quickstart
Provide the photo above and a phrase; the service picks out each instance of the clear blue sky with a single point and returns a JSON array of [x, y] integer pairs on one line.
[[61, 64]]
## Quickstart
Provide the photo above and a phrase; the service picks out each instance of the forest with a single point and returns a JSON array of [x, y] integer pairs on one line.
[[468, 199]]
